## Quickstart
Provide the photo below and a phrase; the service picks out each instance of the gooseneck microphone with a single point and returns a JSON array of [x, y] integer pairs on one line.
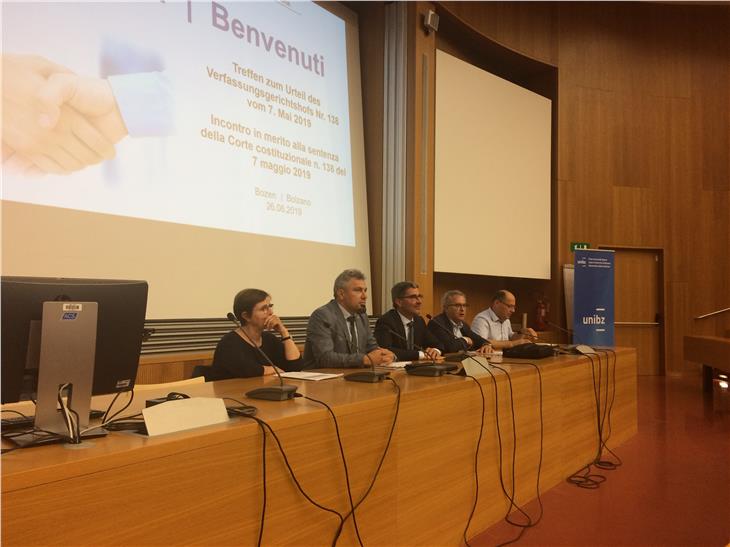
[[582, 349], [283, 391], [566, 331], [431, 369], [447, 331], [404, 339], [371, 376]]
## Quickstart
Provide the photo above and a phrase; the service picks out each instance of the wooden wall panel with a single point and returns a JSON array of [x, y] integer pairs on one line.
[[642, 144], [171, 367], [709, 286], [591, 48], [528, 27], [643, 137], [656, 49], [682, 201], [637, 216], [678, 321], [591, 125], [371, 16], [710, 114], [421, 117]]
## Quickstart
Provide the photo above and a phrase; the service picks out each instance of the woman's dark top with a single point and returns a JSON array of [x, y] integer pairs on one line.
[[236, 358]]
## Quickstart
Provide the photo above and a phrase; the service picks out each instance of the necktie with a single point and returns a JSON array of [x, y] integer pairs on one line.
[[353, 334], [410, 335]]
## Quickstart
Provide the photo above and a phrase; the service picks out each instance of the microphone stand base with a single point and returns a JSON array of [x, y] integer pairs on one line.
[[430, 370], [273, 393], [367, 376]]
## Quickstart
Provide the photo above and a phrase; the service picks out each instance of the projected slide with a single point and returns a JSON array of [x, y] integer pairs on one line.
[[229, 115]]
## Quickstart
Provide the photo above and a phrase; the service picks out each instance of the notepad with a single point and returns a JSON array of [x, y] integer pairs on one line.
[[314, 376]]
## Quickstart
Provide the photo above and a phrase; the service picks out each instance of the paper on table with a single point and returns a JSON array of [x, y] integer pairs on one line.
[[183, 414], [315, 376], [396, 364]]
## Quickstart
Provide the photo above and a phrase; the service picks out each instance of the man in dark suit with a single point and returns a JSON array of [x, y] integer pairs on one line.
[[449, 326], [338, 333], [402, 330]]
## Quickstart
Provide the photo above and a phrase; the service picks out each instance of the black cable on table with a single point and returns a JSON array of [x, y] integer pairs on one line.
[[510, 497], [263, 473], [476, 461], [344, 462], [542, 433], [380, 463]]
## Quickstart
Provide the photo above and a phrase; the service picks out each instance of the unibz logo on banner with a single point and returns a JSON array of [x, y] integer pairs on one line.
[[593, 298]]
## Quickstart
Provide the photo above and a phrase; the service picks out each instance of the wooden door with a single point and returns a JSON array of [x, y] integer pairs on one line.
[[639, 306]]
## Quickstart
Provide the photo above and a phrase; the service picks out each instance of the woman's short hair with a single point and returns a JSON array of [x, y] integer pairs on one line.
[[245, 301]]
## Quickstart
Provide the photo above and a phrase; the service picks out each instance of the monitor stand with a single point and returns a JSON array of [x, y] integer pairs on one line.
[[67, 351]]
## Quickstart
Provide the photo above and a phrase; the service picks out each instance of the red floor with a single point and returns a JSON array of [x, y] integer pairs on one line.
[[672, 489]]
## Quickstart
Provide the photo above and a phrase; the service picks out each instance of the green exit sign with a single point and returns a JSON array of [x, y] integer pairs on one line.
[[579, 245]]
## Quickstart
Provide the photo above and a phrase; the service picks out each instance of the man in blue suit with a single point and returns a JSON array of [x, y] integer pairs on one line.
[[338, 333]]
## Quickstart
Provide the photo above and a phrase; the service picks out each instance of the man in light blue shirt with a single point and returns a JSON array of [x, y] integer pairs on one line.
[[494, 325]]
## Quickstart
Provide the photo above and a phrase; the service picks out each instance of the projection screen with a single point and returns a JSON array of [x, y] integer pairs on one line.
[[492, 176], [237, 143]]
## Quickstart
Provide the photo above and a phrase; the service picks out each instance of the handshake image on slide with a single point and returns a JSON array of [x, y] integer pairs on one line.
[[55, 121], [59, 122], [110, 110]]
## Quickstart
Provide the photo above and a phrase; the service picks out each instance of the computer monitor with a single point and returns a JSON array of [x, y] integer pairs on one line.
[[120, 325]]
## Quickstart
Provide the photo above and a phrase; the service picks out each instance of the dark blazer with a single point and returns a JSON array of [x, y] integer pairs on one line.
[[442, 328], [390, 322], [327, 344]]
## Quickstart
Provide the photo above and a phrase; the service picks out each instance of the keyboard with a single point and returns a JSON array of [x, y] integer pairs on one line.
[[24, 422]]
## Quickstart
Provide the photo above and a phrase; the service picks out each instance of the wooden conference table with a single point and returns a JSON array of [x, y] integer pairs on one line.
[[204, 486]]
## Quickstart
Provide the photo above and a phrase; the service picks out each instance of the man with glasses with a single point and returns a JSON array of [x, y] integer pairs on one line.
[[494, 325], [402, 329], [451, 329]]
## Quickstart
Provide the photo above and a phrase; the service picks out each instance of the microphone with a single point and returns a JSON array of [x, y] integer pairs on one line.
[[579, 348], [566, 331], [282, 392], [371, 376], [460, 356], [451, 334], [561, 329], [424, 370], [415, 346], [403, 338]]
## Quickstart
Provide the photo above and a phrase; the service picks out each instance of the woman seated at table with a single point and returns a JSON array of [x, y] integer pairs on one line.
[[240, 353]]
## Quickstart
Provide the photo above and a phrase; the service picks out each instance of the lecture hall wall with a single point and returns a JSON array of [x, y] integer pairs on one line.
[[643, 138]]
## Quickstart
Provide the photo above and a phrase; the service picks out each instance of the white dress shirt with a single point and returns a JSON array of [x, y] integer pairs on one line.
[[456, 328], [487, 325], [406, 322]]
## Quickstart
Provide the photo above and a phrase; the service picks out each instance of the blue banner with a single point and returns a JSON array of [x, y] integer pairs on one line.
[[593, 306]]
